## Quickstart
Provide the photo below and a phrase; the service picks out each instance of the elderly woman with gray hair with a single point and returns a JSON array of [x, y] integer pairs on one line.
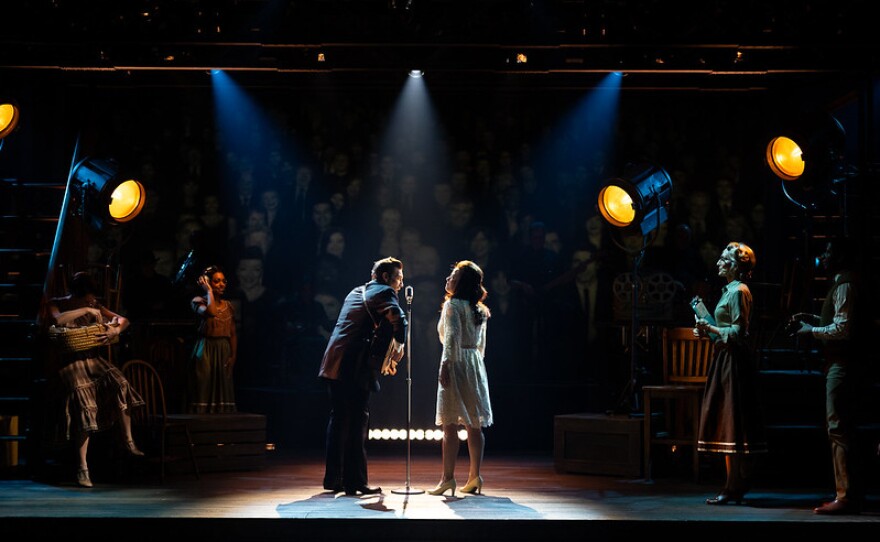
[[731, 421]]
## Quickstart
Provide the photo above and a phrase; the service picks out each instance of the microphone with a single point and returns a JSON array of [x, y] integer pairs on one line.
[[409, 294], [185, 268]]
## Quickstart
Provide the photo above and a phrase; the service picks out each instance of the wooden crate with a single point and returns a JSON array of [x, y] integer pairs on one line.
[[597, 444], [222, 442]]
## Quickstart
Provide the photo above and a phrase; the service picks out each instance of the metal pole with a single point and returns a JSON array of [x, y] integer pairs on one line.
[[407, 489], [49, 282], [629, 397], [634, 331]]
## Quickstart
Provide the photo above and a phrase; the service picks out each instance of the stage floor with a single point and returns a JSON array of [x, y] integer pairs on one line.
[[523, 498]]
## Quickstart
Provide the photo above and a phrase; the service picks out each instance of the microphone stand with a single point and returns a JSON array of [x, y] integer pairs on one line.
[[407, 489]]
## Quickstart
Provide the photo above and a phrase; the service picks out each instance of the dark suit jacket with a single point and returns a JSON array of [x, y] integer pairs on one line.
[[343, 359]]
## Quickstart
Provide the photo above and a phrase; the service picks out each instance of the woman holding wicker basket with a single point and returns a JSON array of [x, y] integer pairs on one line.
[[96, 395]]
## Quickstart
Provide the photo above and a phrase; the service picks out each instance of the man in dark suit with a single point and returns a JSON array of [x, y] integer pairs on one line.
[[351, 374]]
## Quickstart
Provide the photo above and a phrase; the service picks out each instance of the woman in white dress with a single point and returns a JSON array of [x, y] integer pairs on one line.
[[463, 391]]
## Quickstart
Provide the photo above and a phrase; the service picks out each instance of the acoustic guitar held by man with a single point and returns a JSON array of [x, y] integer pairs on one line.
[[351, 366]]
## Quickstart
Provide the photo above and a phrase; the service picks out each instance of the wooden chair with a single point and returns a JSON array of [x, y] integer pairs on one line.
[[152, 419], [685, 367]]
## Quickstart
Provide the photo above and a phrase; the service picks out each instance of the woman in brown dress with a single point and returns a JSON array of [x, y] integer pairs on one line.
[[214, 354]]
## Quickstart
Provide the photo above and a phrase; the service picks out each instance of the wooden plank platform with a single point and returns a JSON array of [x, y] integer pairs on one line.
[[222, 442], [524, 498], [598, 444]]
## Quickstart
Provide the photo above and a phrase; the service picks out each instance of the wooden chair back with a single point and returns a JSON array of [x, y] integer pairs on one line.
[[686, 358], [144, 379], [152, 419]]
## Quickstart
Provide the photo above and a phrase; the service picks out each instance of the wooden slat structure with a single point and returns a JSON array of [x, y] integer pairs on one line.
[[686, 361], [222, 442], [598, 444]]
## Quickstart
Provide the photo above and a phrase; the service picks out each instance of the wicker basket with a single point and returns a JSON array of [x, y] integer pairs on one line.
[[79, 339]]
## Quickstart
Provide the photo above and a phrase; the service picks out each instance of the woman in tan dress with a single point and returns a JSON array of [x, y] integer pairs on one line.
[[213, 357]]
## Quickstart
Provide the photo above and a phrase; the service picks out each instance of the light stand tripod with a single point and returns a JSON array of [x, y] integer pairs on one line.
[[407, 489], [629, 397]]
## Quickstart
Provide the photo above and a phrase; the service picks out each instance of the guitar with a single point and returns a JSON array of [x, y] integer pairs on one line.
[[383, 346]]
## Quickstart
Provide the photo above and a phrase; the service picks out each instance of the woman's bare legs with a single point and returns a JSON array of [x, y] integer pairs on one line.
[[126, 426], [476, 443], [82, 474], [450, 447], [126, 434], [82, 451]]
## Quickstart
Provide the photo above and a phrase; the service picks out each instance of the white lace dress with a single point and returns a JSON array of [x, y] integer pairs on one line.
[[466, 400]]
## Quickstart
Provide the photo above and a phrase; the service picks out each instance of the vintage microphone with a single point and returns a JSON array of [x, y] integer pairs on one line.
[[407, 490], [186, 269]]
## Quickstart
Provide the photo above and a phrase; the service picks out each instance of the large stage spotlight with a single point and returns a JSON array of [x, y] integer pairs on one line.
[[809, 159], [9, 114], [106, 197], [638, 201]]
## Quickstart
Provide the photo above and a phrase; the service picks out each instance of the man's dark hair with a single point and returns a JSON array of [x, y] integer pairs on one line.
[[385, 265], [843, 253]]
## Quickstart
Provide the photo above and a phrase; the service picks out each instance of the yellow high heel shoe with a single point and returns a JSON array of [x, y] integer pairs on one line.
[[442, 487], [474, 485]]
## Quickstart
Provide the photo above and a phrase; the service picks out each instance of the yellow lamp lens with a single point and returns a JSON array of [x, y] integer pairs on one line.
[[616, 206], [785, 159], [8, 119], [127, 201]]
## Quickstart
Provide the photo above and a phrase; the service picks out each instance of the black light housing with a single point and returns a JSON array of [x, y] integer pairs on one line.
[[808, 158], [638, 201], [107, 198]]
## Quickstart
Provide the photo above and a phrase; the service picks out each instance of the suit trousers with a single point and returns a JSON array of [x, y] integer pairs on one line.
[[840, 414], [346, 454]]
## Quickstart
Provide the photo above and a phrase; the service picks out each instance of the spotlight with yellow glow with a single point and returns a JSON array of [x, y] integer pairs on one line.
[[637, 201], [785, 158], [808, 159], [107, 198], [9, 114]]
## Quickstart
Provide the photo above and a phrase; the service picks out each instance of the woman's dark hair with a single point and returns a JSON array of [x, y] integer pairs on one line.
[[326, 240], [82, 284], [209, 271], [470, 287]]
